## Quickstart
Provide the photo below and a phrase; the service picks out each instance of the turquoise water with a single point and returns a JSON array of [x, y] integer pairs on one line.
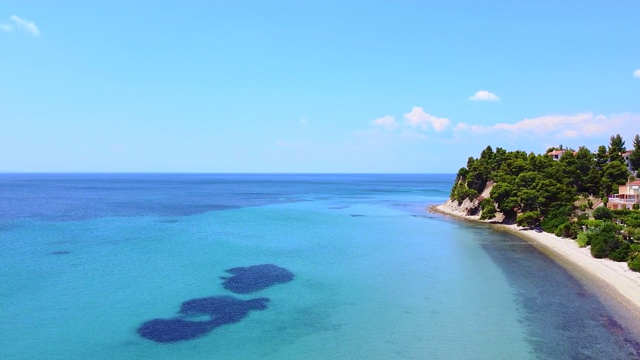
[[87, 259]]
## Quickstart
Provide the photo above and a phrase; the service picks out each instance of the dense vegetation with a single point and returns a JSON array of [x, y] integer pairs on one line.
[[564, 197]]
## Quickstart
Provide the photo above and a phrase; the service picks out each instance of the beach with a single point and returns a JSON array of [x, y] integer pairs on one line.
[[615, 278]]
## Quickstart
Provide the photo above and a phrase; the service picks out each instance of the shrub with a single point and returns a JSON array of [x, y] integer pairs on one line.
[[634, 257], [583, 240], [633, 233], [605, 243], [601, 247], [556, 218], [460, 192], [592, 224], [550, 224], [598, 248], [488, 209], [602, 213], [620, 252], [632, 220], [470, 194], [620, 212], [567, 230], [528, 219], [636, 206], [634, 262]]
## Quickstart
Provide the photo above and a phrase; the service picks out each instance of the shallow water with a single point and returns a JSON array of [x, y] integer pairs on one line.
[[87, 259]]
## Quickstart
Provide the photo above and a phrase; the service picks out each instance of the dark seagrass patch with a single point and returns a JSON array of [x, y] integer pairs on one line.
[[255, 278]]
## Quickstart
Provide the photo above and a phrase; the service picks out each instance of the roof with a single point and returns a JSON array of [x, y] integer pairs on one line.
[[556, 152], [635, 182]]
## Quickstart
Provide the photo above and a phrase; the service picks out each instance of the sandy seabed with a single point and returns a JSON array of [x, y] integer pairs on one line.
[[617, 279]]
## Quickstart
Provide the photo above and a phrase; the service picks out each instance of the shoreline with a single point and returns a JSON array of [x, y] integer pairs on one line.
[[613, 278]]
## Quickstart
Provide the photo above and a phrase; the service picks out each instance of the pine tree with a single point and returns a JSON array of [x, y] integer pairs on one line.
[[601, 157], [615, 173], [634, 158], [616, 148], [590, 177]]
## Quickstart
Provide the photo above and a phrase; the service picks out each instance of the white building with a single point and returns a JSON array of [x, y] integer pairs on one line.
[[627, 196]]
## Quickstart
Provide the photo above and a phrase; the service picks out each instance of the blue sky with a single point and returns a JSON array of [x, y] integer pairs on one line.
[[309, 86]]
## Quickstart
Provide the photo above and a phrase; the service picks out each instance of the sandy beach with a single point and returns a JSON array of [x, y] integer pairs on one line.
[[620, 282]]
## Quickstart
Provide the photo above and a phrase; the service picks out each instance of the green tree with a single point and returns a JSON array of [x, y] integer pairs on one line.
[[527, 180], [552, 195], [589, 178], [487, 154], [615, 173], [488, 209], [478, 175], [602, 158], [529, 200], [616, 148], [504, 195], [499, 157], [528, 219], [634, 158]]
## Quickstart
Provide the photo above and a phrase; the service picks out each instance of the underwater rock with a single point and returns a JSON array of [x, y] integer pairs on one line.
[[223, 310], [255, 278]]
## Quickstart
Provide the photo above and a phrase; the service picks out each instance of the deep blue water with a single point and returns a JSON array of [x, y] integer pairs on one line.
[[67, 197], [122, 266]]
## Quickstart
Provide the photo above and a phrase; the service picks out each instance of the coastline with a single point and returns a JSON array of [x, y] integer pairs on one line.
[[614, 278]]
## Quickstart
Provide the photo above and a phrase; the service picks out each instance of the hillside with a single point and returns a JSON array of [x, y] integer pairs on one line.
[[561, 192]]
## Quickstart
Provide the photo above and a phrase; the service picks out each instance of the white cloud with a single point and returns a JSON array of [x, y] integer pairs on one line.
[[388, 129], [544, 124], [418, 118], [569, 134], [636, 73], [560, 126], [386, 122], [476, 129], [484, 95], [25, 25]]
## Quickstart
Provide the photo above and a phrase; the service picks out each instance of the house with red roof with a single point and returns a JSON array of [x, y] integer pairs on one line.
[[627, 196], [556, 154]]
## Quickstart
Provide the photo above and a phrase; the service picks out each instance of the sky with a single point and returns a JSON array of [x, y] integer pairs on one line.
[[309, 86]]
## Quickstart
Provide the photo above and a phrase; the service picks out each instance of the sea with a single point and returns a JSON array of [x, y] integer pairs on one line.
[[89, 260]]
